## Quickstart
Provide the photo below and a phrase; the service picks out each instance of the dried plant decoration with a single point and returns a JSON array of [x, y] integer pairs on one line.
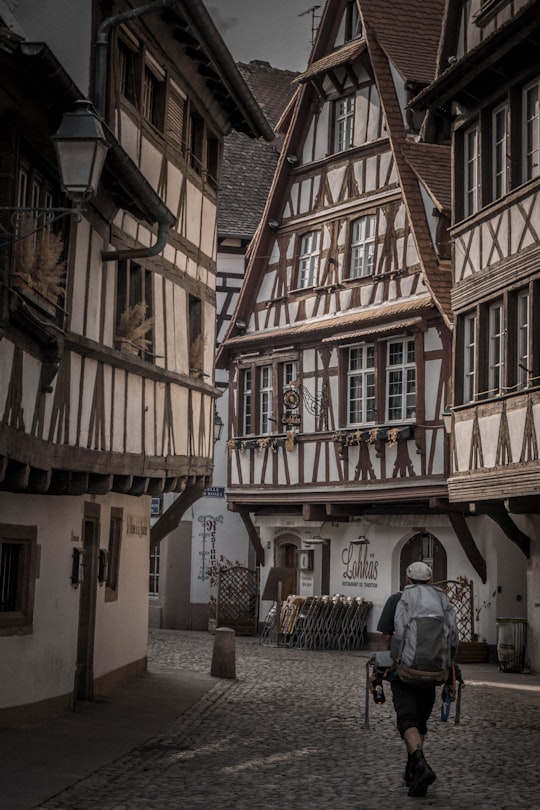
[[134, 325], [196, 353], [38, 260]]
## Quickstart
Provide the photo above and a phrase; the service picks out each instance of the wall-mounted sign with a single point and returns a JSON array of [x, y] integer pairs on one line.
[[361, 567], [304, 559], [290, 419], [214, 492], [155, 507]]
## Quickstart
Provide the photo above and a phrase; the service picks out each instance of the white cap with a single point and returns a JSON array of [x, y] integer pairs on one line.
[[420, 571]]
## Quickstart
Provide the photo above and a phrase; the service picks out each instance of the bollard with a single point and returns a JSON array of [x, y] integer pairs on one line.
[[224, 654]]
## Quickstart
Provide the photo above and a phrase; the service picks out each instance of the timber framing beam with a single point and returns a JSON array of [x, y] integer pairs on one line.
[[172, 516], [469, 546], [513, 532], [253, 535]]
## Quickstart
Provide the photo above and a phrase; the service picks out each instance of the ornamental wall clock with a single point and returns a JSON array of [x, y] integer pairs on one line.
[[291, 398]]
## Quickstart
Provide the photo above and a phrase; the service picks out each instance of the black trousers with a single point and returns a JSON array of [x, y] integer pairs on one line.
[[413, 705]]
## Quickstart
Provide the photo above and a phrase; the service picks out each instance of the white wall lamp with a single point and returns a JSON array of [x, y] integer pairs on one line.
[[361, 540], [317, 541]]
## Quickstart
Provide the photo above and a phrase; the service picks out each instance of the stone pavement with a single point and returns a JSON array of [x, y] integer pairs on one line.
[[289, 732]]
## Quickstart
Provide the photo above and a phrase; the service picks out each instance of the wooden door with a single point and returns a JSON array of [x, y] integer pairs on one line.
[[427, 548], [84, 673]]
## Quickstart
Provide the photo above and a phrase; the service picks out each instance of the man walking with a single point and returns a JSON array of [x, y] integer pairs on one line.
[[413, 704]]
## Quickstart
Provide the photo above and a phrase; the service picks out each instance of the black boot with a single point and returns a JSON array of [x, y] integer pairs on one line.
[[409, 770], [422, 777]]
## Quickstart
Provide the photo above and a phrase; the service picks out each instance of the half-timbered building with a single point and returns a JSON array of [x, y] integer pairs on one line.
[[184, 567], [340, 346], [487, 100], [107, 325]]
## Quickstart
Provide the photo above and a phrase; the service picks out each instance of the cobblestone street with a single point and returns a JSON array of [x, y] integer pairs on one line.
[[289, 732]]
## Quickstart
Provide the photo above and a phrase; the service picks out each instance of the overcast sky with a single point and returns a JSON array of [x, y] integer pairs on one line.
[[271, 30]]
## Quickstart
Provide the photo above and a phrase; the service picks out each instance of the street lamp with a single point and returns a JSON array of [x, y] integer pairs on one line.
[[81, 148], [218, 427]]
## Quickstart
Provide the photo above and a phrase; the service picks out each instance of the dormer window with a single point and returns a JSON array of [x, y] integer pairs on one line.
[[353, 24]]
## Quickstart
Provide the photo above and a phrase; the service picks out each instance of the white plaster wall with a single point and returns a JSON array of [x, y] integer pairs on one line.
[[372, 571], [122, 625], [51, 647]]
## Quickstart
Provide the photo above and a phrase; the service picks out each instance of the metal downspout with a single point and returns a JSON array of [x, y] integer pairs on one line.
[[102, 46], [163, 217]]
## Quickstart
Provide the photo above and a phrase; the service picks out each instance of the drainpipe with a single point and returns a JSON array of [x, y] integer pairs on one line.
[[102, 46], [138, 184], [140, 189]]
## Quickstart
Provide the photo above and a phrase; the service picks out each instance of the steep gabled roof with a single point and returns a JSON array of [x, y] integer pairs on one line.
[[248, 165], [437, 275], [431, 164], [415, 60], [409, 33], [347, 53]]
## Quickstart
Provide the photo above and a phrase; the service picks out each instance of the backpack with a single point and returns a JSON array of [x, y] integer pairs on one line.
[[426, 638]]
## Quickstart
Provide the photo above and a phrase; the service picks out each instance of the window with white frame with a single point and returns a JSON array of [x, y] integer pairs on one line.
[[522, 339], [469, 357], [401, 380], [531, 130], [500, 150], [362, 246], [472, 170], [343, 123], [246, 401], [265, 399], [361, 385], [289, 374], [308, 260], [496, 348]]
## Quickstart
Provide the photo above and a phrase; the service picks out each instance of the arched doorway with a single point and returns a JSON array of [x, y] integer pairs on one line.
[[426, 547], [285, 549]]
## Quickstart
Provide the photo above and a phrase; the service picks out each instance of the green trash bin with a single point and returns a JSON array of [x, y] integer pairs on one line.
[[511, 644]]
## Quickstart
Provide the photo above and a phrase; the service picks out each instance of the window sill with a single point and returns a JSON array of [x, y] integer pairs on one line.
[[15, 624]]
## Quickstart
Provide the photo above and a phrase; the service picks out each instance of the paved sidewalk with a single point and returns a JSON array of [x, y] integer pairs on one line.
[[288, 732]]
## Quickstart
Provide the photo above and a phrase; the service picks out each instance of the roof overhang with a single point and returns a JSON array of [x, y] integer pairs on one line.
[[344, 55], [515, 42], [383, 319]]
